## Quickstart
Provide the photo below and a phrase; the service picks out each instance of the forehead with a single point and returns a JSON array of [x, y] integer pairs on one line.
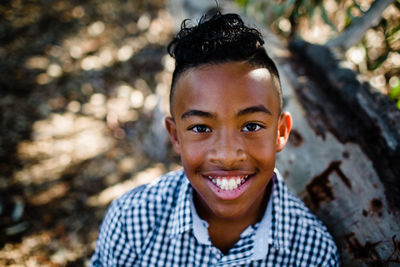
[[211, 86]]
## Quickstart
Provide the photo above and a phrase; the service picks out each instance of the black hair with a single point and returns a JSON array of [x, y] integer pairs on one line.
[[219, 39]]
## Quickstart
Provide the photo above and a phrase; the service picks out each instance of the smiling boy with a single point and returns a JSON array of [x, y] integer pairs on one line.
[[229, 205]]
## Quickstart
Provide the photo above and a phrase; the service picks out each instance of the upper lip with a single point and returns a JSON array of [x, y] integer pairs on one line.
[[224, 173]]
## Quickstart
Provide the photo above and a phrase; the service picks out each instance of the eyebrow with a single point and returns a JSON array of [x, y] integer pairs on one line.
[[195, 112], [254, 109], [205, 114]]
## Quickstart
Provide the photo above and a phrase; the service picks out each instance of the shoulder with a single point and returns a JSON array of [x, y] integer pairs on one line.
[[132, 217], [292, 208], [308, 234], [148, 198], [309, 224]]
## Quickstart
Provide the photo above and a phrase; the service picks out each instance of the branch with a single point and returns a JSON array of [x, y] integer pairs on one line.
[[353, 34]]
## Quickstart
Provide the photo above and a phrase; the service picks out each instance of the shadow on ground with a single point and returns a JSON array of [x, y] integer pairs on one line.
[[80, 87]]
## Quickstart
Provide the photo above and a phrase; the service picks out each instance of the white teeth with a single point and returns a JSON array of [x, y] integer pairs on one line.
[[228, 184], [238, 181], [224, 184], [232, 184]]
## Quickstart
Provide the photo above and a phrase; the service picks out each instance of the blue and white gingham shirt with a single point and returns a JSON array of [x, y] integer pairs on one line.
[[156, 225]]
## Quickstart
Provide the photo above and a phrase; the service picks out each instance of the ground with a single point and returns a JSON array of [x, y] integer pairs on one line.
[[83, 92]]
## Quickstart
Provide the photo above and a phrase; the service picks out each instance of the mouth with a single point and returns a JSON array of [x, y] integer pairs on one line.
[[230, 183]]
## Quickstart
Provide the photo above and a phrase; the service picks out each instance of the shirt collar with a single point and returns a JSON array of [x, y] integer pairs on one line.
[[262, 237], [200, 226], [281, 215], [181, 219], [263, 232]]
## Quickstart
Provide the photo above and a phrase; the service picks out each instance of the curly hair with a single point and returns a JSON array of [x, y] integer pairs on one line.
[[219, 39]]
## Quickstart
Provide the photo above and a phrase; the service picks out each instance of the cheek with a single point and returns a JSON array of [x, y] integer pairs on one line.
[[262, 149], [192, 154]]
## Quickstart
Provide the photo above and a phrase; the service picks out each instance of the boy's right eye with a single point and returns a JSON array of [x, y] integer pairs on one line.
[[200, 129]]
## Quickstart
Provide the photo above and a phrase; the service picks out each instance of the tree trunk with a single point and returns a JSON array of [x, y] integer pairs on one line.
[[353, 154]]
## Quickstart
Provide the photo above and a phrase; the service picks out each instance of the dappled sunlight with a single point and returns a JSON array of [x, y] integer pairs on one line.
[[93, 49], [64, 140], [37, 62], [356, 55], [112, 192], [56, 191], [99, 45], [58, 143], [81, 85], [315, 31], [284, 25], [72, 249], [150, 102]]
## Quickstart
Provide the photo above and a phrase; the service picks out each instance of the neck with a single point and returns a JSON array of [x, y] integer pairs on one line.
[[253, 215], [225, 232]]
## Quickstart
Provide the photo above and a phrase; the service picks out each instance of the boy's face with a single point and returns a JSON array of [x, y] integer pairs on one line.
[[227, 129]]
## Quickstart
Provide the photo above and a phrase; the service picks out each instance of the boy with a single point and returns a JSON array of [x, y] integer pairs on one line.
[[228, 206]]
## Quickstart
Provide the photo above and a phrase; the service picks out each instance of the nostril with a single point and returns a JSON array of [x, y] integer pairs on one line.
[[227, 157]]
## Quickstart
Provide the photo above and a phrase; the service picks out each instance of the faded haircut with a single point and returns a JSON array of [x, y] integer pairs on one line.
[[218, 39]]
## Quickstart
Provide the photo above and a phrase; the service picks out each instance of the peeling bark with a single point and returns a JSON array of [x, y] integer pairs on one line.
[[352, 112]]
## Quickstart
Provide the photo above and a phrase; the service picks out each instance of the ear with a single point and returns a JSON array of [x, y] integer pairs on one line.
[[284, 127], [173, 135]]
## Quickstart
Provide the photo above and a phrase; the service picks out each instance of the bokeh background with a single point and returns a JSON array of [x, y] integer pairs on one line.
[[81, 83], [83, 90], [374, 55]]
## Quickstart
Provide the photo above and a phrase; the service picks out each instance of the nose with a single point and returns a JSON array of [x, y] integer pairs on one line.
[[227, 150]]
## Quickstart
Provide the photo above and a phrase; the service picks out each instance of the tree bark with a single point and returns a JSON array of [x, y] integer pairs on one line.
[[357, 193]]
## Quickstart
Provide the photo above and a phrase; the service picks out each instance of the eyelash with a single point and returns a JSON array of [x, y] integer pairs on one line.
[[258, 127], [195, 128], [205, 129]]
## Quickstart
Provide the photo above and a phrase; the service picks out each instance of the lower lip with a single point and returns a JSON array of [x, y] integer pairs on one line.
[[229, 194]]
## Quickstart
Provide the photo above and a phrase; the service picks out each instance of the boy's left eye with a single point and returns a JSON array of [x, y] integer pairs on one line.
[[252, 127]]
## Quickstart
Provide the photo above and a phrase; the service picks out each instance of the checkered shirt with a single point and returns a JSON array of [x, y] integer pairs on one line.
[[152, 225]]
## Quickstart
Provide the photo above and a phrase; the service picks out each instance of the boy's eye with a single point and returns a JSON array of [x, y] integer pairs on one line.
[[252, 127], [200, 129]]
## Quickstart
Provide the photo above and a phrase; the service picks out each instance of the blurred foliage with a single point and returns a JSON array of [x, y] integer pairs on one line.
[[376, 57], [395, 94]]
